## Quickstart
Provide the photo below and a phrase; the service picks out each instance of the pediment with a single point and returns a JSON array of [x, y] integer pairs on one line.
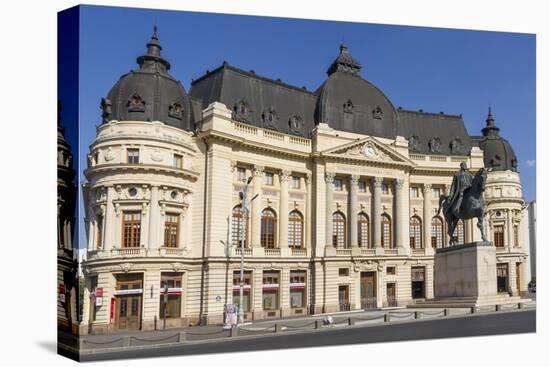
[[369, 150]]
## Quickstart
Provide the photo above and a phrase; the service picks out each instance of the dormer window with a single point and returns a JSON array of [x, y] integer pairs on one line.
[[348, 106], [175, 110], [136, 103], [241, 110], [377, 113], [269, 118]]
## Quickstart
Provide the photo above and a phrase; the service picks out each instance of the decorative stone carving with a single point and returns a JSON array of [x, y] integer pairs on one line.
[[456, 146], [399, 183], [156, 156], [435, 145], [270, 118], [285, 175], [377, 182], [354, 179], [136, 103], [348, 106], [176, 267], [296, 125], [329, 177], [175, 110], [414, 143], [377, 113], [258, 171], [126, 267], [109, 155]]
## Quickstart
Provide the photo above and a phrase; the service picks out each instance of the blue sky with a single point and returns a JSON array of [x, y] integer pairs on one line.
[[455, 71]]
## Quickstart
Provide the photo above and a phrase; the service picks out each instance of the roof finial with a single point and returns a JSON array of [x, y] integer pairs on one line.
[[490, 129], [155, 36], [153, 51], [344, 63]]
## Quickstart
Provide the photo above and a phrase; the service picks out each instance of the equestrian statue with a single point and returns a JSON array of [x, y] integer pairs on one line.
[[465, 200]]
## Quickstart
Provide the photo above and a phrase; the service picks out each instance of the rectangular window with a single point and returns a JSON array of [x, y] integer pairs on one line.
[[99, 241], [268, 179], [270, 291], [414, 192], [436, 192], [297, 288], [343, 272], [131, 228], [498, 235], [362, 186], [170, 295], [94, 308], [133, 156], [338, 185], [295, 183], [385, 188], [241, 174], [178, 161], [390, 270], [247, 281], [171, 229], [516, 235]]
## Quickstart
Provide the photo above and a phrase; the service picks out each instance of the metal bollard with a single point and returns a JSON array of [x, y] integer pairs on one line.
[[317, 324], [520, 305], [386, 317], [126, 341], [181, 337], [498, 308], [234, 331], [416, 315], [351, 322], [277, 328], [445, 312], [473, 309]]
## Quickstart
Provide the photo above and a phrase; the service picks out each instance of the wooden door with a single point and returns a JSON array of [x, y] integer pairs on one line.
[[390, 293], [343, 297], [518, 278], [368, 290], [128, 305]]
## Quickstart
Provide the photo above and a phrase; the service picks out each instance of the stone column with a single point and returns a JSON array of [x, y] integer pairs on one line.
[[154, 214], [401, 216], [354, 189], [256, 207], [427, 221], [283, 209], [377, 212], [109, 220], [329, 180], [309, 199]]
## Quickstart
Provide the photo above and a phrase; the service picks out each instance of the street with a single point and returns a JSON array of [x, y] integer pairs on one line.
[[474, 325]]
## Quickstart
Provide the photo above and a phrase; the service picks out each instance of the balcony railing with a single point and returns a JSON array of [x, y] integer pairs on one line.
[[129, 251], [390, 251], [298, 251], [272, 252], [418, 252], [247, 251], [170, 251], [343, 251], [368, 251]]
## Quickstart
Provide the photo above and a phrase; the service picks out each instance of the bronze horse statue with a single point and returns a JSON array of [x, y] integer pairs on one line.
[[472, 206]]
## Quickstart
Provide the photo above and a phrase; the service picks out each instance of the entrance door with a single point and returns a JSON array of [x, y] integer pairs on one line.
[[502, 278], [128, 304], [390, 292], [343, 297], [518, 279], [368, 290], [418, 282]]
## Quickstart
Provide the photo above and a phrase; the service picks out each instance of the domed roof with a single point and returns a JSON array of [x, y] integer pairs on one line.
[[350, 103], [149, 93], [498, 154]]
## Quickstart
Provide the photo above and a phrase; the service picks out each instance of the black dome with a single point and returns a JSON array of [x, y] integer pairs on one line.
[[498, 154], [349, 103], [149, 93]]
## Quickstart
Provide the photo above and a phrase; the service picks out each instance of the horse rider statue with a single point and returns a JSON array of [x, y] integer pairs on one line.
[[465, 201]]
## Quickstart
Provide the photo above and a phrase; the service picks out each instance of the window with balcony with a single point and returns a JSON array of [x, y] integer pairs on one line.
[[385, 231], [516, 235], [99, 231], [295, 229], [363, 230], [415, 232], [132, 156], [170, 295], [437, 232], [131, 228], [268, 228], [237, 223], [171, 229], [338, 230]]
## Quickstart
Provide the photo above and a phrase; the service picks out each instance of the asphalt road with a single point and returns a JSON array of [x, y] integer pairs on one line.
[[475, 325]]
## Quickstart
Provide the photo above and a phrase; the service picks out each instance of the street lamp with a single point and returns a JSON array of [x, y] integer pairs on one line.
[[164, 307], [244, 216]]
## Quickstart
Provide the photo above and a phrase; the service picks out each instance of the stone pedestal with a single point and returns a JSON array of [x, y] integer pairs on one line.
[[465, 271]]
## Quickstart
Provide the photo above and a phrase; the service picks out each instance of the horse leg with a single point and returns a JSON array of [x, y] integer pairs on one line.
[[481, 226], [450, 231]]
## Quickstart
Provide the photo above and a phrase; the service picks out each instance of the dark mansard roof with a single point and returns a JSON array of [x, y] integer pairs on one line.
[[345, 101]]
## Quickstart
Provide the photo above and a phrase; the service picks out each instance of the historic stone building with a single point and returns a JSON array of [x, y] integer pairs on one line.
[[345, 215]]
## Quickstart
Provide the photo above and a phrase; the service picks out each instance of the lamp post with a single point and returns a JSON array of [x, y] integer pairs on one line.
[[244, 216], [164, 306]]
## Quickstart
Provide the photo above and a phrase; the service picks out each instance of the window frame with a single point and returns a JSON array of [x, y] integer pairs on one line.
[[236, 232], [134, 229], [386, 220], [177, 161], [498, 237], [339, 219], [437, 230], [268, 240], [415, 232], [363, 230], [168, 226], [295, 229], [132, 158]]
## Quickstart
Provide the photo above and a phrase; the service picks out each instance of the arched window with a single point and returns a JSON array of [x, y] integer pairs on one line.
[[295, 229], [385, 231], [459, 232], [415, 232], [236, 227], [363, 232], [437, 232], [338, 230], [269, 228]]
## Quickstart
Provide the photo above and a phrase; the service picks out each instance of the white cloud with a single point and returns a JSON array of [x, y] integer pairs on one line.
[[530, 162]]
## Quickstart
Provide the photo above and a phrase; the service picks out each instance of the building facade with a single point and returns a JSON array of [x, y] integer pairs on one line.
[[346, 189]]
